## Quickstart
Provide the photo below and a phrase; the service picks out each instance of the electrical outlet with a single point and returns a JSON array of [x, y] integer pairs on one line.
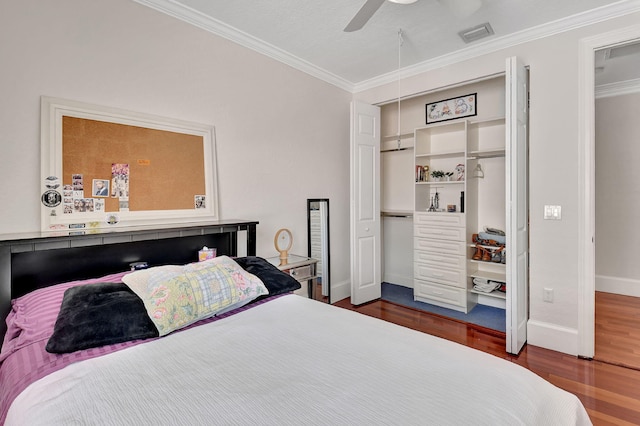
[[547, 295]]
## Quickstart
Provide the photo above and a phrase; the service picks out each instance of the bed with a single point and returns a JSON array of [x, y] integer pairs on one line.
[[272, 358]]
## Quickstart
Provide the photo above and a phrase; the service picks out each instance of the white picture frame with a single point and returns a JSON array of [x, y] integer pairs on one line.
[[53, 217]]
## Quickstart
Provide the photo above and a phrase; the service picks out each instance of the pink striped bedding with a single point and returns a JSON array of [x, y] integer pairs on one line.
[[23, 358]]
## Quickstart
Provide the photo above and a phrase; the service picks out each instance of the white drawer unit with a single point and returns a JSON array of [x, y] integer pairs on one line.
[[441, 295], [439, 219], [453, 277], [440, 259], [440, 233], [430, 245]]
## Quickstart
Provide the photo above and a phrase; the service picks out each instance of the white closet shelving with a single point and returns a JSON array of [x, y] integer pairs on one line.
[[438, 244], [439, 223], [443, 232], [486, 201]]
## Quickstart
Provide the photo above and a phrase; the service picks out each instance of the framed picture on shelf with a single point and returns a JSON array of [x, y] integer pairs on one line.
[[450, 109]]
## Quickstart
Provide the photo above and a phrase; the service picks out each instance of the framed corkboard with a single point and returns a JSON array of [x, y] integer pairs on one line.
[[103, 167]]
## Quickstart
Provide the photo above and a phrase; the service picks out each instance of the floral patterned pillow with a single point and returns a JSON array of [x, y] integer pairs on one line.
[[177, 296]]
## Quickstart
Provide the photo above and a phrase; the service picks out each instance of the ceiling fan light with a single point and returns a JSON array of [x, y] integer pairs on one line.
[[403, 1]]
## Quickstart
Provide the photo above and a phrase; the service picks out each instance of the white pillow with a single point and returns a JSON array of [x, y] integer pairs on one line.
[[177, 296]]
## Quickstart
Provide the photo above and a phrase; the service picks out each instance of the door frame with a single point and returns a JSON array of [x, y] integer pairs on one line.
[[586, 180]]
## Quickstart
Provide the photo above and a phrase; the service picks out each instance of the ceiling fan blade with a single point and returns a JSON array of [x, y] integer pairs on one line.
[[364, 14]]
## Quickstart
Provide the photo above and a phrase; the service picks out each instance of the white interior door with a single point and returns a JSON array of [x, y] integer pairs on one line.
[[366, 270], [517, 306]]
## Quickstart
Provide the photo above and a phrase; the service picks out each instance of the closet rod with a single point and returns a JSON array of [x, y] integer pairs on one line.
[[395, 149], [401, 215]]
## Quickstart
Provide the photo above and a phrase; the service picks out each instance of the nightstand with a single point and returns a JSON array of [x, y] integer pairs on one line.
[[302, 268]]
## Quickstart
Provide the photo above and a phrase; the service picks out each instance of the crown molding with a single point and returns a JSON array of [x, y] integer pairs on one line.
[[616, 89], [545, 30], [207, 23], [224, 30]]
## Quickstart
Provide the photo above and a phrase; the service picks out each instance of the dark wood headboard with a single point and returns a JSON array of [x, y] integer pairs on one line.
[[32, 261]]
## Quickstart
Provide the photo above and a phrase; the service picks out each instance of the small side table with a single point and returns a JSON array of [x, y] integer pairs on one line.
[[302, 268]]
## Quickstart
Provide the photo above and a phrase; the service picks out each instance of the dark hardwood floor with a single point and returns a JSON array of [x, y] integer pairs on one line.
[[610, 393], [618, 329]]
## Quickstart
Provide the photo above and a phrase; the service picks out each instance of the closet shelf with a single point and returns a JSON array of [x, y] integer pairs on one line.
[[441, 154], [450, 182], [495, 293], [395, 137], [484, 262], [488, 121], [488, 153], [397, 213], [391, 143], [493, 276], [473, 245]]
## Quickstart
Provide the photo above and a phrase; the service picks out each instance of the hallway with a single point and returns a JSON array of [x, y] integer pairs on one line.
[[617, 329]]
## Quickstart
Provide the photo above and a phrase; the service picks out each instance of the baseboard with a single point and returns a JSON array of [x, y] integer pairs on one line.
[[340, 291], [551, 336], [617, 285]]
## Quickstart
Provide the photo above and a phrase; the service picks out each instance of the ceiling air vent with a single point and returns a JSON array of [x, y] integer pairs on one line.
[[476, 33]]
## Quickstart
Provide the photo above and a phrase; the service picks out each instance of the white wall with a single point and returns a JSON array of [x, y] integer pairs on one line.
[[617, 194], [282, 136], [553, 159]]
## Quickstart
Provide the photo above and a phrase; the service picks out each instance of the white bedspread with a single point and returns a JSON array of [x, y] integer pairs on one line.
[[295, 361]]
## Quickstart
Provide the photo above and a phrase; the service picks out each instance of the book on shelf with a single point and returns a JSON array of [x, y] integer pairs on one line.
[[421, 173]]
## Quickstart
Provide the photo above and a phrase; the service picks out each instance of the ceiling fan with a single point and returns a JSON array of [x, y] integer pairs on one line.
[[460, 8]]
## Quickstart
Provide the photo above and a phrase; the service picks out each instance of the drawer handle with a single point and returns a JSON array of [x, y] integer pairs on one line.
[[438, 293], [438, 275]]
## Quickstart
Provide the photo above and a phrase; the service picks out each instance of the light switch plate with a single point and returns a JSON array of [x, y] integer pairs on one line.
[[552, 212]]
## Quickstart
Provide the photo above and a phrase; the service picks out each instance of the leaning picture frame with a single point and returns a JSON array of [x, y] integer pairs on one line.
[[452, 108]]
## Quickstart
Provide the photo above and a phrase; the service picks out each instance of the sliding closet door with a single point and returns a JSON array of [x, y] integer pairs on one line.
[[366, 269], [517, 312]]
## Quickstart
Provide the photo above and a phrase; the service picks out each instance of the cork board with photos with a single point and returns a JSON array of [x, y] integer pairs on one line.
[[130, 168]]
